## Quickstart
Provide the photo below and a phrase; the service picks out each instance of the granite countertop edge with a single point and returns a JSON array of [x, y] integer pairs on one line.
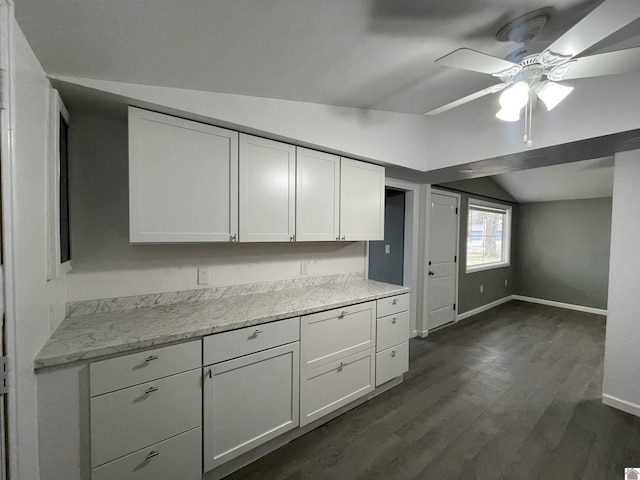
[[129, 345]]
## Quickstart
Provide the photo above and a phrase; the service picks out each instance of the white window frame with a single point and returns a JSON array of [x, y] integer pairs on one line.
[[55, 268], [506, 236]]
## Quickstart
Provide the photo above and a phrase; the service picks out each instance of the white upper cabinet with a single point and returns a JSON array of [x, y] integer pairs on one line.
[[183, 180], [317, 196], [267, 190], [361, 201]]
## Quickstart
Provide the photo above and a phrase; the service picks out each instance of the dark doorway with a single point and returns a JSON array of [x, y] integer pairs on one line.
[[386, 257]]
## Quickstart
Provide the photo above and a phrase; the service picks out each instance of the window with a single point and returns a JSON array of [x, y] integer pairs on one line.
[[58, 238], [488, 235]]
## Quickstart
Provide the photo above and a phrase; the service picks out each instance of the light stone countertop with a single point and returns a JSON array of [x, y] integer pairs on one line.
[[91, 336]]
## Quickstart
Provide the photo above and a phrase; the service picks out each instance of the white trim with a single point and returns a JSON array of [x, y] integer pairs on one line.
[[55, 269], [425, 299], [620, 404], [552, 303], [506, 235], [483, 308], [422, 333], [8, 192], [411, 242]]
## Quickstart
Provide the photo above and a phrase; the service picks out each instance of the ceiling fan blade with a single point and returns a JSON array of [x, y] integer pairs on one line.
[[468, 59], [612, 63], [468, 98], [603, 21]]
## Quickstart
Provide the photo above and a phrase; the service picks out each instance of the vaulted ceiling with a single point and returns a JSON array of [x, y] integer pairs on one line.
[[375, 54]]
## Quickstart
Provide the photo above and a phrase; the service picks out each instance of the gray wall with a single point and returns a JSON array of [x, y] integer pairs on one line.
[[388, 267], [563, 251]]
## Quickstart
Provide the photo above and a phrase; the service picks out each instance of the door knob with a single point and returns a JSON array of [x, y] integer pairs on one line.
[[431, 273]]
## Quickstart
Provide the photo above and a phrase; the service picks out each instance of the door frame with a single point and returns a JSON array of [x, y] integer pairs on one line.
[[7, 127], [411, 244], [423, 329]]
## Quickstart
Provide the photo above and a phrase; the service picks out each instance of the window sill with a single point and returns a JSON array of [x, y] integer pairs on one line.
[[489, 266]]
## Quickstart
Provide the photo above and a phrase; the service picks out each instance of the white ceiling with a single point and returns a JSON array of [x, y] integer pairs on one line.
[[569, 181], [360, 53]]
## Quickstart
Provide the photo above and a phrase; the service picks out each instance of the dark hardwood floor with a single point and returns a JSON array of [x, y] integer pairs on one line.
[[512, 393]]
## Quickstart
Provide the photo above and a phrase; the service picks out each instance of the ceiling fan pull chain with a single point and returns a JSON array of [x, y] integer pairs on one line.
[[530, 140]]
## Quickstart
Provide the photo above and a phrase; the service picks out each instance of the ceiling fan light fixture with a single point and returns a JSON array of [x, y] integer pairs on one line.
[[515, 97], [552, 94], [509, 114]]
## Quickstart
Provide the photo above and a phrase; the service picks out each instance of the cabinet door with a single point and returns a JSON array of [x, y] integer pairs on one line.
[[361, 201], [267, 190], [317, 195], [183, 180], [248, 401]]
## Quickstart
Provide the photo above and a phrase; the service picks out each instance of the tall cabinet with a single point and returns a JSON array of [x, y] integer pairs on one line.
[[183, 180]]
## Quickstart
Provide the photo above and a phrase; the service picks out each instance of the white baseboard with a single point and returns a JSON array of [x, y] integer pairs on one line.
[[422, 333], [483, 308], [620, 404], [568, 306]]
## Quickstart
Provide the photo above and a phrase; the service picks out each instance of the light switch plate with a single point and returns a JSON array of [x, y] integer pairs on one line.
[[387, 249]]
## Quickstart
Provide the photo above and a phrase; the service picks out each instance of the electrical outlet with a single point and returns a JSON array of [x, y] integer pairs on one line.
[[304, 267], [506, 282], [387, 249], [52, 318], [481, 288], [203, 275]]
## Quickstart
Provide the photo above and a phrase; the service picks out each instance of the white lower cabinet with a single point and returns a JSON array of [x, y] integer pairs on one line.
[[327, 388], [178, 457], [248, 401], [392, 363], [132, 418]]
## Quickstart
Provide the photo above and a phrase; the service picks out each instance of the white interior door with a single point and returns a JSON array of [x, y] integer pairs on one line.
[[442, 261]]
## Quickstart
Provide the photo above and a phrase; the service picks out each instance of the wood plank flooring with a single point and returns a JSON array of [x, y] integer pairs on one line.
[[512, 393]]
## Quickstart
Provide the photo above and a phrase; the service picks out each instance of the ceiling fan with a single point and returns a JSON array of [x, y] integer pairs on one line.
[[525, 76]]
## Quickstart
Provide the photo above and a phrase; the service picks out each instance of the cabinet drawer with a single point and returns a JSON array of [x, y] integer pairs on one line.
[[133, 418], [177, 457], [133, 369], [236, 343], [391, 305], [391, 363], [392, 330], [334, 334], [332, 386]]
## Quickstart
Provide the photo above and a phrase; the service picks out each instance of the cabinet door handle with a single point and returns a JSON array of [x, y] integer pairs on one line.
[[394, 301], [150, 390], [256, 332], [151, 358], [337, 238], [393, 353], [343, 239], [344, 313], [342, 365], [151, 454], [394, 320], [210, 373]]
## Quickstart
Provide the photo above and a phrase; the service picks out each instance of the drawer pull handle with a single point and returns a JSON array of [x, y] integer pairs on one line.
[[393, 353], [344, 313], [394, 301], [342, 365], [150, 390], [256, 332], [151, 358], [394, 320], [151, 454]]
